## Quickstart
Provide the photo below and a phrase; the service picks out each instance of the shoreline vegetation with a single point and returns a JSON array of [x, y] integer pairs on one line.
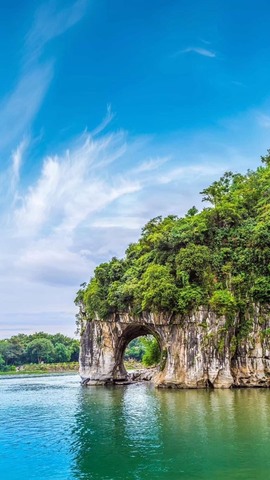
[[42, 368], [38, 353], [60, 368]]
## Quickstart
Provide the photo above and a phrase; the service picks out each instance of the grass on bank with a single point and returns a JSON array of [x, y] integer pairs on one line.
[[34, 368]]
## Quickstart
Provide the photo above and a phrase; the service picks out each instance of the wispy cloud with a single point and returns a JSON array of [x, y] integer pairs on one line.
[[238, 84], [73, 186], [200, 51], [20, 106], [50, 21], [118, 222], [17, 158], [192, 172], [152, 164], [71, 189], [206, 42], [105, 122]]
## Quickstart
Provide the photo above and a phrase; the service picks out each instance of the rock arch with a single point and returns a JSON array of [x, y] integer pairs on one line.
[[129, 333], [103, 344], [197, 351]]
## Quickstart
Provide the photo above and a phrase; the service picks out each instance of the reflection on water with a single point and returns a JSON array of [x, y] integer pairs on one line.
[[120, 433], [51, 428]]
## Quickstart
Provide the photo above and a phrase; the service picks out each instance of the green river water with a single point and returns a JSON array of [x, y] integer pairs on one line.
[[52, 428]]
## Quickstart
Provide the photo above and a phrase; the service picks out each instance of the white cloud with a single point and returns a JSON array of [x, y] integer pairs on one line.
[[200, 51], [17, 158], [20, 106], [206, 42], [49, 23], [192, 172], [124, 222], [52, 263], [73, 186], [152, 164], [105, 122]]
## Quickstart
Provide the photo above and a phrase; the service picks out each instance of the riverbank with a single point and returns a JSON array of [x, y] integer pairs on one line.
[[42, 368], [65, 367]]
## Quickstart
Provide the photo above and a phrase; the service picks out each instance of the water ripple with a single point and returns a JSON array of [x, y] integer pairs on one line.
[[52, 428]]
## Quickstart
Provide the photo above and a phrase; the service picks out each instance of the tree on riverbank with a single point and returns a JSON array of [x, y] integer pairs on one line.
[[37, 348]]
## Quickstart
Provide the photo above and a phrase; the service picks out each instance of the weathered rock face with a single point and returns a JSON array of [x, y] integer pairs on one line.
[[198, 351]]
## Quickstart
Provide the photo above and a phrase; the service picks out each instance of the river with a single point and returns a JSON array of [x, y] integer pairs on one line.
[[52, 428]]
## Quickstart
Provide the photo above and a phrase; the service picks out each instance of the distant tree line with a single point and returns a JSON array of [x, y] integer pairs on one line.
[[37, 348]]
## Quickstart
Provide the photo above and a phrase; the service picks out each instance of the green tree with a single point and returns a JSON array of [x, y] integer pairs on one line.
[[2, 361], [61, 353], [152, 351], [135, 350], [158, 289], [12, 351], [40, 349]]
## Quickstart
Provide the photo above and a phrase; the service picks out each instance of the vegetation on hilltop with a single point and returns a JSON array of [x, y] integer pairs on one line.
[[37, 348], [218, 257]]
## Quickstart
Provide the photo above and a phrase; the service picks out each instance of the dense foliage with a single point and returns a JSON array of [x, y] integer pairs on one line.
[[39, 347], [143, 349], [218, 257]]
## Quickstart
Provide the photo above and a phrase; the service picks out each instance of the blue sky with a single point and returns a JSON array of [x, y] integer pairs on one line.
[[113, 112]]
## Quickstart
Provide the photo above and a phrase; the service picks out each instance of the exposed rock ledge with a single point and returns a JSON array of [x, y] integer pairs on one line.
[[143, 375], [198, 351]]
